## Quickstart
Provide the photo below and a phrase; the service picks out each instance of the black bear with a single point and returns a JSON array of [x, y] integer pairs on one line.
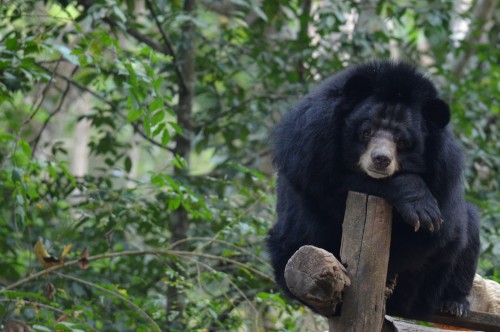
[[379, 128]]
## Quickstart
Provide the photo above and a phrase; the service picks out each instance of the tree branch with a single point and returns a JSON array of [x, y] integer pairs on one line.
[[179, 253], [44, 92], [168, 44], [57, 110]]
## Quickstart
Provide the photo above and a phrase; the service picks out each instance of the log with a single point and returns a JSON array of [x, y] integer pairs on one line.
[[481, 321], [485, 295], [366, 236], [317, 278]]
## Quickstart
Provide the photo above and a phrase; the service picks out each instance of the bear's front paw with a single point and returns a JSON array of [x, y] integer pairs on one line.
[[456, 308], [423, 213]]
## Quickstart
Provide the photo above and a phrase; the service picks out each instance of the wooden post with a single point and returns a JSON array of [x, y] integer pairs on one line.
[[366, 239]]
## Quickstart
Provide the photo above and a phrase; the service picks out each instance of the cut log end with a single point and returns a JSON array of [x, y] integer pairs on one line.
[[317, 278]]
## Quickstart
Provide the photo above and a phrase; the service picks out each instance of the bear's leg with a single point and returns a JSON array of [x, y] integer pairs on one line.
[[280, 251], [454, 299], [430, 292], [401, 301]]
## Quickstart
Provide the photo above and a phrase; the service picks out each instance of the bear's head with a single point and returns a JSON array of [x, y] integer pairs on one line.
[[385, 131]]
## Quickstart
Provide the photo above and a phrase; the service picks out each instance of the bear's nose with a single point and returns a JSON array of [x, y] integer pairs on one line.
[[381, 159]]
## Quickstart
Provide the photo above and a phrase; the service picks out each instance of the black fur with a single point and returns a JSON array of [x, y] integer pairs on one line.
[[316, 151]]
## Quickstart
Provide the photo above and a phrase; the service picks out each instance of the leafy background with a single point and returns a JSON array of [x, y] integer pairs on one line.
[[137, 131]]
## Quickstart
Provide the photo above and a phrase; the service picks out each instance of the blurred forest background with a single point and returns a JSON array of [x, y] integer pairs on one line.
[[137, 133]]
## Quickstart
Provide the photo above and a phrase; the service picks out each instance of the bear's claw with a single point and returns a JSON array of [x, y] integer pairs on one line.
[[458, 309]]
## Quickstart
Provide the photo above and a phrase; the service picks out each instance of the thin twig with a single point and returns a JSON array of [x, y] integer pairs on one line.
[[38, 304], [168, 44], [236, 109], [57, 110], [139, 36], [44, 92], [210, 240]]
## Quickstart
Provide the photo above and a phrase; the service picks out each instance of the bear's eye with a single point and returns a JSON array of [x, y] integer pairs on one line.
[[367, 133], [403, 143]]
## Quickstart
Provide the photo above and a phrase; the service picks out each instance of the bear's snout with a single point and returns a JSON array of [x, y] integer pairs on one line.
[[381, 159]]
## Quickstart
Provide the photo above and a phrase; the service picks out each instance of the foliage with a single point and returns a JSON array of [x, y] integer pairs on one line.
[[168, 235]]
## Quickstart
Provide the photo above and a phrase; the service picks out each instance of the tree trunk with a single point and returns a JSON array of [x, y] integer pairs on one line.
[[186, 60]]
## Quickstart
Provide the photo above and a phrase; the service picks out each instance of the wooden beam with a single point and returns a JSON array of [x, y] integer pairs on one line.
[[481, 321]]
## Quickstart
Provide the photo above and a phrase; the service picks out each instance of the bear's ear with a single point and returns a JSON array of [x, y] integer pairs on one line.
[[437, 111], [358, 86]]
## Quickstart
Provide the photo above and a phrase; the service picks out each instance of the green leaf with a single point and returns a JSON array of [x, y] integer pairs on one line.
[[174, 203], [176, 127], [156, 104], [87, 78], [158, 180], [157, 84], [134, 114], [31, 190], [157, 117], [31, 47], [12, 44], [119, 13], [179, 162], [174, 184], [128, 164], [147, 126], [257, 10], [21, 295], [165, 137], [25, 147], [159, 129], [20, 158]]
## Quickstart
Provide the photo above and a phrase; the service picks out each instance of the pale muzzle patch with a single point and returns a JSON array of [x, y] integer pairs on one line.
[[380, 158]]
